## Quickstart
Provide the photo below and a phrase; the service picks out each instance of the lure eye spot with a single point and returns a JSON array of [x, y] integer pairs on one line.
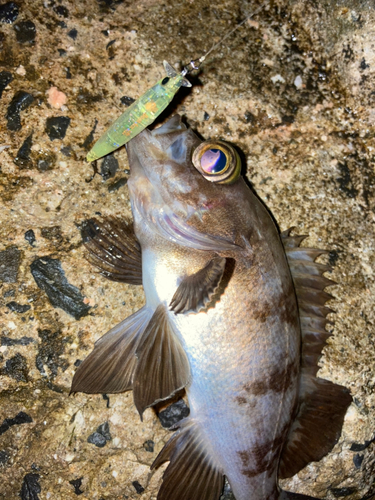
[[165, 80], [217, 161]]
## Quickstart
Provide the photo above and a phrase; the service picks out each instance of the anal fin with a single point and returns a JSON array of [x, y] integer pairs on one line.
[[192, 471], [322, 404], [113, 249]]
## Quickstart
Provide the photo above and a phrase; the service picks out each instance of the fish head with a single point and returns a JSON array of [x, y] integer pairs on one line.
[[174, 196]]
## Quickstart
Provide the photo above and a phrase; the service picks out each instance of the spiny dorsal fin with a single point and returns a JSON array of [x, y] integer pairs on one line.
[[192, 472], [196, 290], [163, 367], [109, 368], [322, 404], [114, 249]]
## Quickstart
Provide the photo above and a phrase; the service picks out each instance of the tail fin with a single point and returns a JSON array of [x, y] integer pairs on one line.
[[192, 472]]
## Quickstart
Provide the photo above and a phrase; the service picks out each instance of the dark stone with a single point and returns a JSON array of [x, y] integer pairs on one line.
[[206, 116], [97, 439], [100, 437], [288, 119], [106, 398], [62, 52], [342, 492], [25, 31], [357, 460], [50, 277], [30, 236], [345, 181], [109, 44], [363, 64], [10, 293], [5, 79], [138, 487], [127, 101], [30, 487], [117, 185], [109, 167], [173, 413], [249, 117], [10, 260], [8, 12], [50, 353], [360, 446], [22, 341], [77, 483], [4, 457], [52, 233], [90, 138], [77, 362], [21, 100], [23, 159], [20, 418], [149, 445], [227, 492], [73, 33], [16, 368], [56, 127], [66, 151], [61, 11], [19, 308]]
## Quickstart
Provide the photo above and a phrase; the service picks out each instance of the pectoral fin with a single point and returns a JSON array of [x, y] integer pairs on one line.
[[196, 290], [114, 249], [162, 367]]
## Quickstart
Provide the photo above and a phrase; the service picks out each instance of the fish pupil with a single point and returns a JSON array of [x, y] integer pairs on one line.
[[213, 161], [165, 80]]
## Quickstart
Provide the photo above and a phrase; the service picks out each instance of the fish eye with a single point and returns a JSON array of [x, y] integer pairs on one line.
[[165, 80], [217, 161]]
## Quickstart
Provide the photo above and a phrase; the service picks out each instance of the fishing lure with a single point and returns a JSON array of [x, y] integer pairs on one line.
[[151, 104]]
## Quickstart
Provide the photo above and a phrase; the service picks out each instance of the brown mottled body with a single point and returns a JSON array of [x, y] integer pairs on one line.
[[235, 314]]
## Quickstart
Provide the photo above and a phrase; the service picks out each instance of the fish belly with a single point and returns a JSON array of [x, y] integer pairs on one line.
[[243, 388]]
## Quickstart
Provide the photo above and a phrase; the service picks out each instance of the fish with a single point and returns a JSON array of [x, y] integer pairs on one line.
[[235, 315]]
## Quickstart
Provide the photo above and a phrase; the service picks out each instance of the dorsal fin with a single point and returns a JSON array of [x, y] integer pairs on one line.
[[322, 404]]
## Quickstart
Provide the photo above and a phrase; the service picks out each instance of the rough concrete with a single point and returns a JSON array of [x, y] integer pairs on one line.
[[294, 89]]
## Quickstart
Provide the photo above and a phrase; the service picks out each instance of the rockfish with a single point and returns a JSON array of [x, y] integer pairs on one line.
[[235, 314]]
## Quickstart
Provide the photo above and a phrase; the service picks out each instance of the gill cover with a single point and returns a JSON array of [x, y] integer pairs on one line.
[[217, 161]]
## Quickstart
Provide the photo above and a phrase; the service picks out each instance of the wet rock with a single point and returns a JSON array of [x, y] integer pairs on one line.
[[149, 445], [20, 101], [30, 236], [19, 308], [5, 78], [8, 12], [77, 483], [20, 418], [100, 437], [73, 33], [138, 487], [108, 167], [30, 487], [117, 185], [22, 341], [173, 413], [23, 159], [16, 367], [50, 277], [25, 32], [57, 126], [10, 260]]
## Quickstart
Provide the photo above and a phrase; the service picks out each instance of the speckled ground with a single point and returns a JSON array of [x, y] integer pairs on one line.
[[294, 89]]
